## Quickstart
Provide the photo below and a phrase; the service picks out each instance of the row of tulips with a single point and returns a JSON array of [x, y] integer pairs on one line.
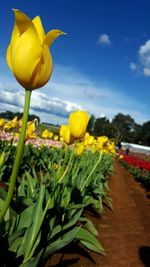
[[68, 134], [55, 188], [139, 167]]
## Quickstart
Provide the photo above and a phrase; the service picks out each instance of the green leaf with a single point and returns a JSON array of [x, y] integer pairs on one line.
[[16, 244], [21, 188], [7, 215], [72, 221], [93, 248], [85, 236], [31, 184], [89, 225], [34, 261], [25, 218], [14, 236], [61, 242], [33, 231]]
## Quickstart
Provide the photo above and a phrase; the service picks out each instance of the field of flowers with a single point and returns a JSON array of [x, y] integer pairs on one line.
[[59, 178], [139, 167]]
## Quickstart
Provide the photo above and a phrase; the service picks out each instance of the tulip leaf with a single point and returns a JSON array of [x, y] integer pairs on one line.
[[33, 231], [7, 215], [85, 236], [16, 244], [61, 242], [25, 218], [89, 225], [93, 247]]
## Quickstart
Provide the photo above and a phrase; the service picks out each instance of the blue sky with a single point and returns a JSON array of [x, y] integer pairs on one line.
[[102, 65]]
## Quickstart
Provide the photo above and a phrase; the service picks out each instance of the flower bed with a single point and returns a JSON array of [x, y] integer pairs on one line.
[[139, 167], [54, 189]]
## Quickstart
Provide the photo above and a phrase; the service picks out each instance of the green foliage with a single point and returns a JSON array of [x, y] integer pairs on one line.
[[55, 187]]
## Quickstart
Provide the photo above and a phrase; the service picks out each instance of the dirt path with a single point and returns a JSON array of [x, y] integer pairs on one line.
[[124, 232]]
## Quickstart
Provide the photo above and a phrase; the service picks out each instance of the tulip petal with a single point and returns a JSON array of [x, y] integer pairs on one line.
[[43, 69], [28, 55], [22, 21], [51, 36], [8, 57], [14, 37], [39, 27]]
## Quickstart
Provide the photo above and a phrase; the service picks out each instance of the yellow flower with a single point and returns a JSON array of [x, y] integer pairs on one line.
[[67, 137], [61, 139], [45, 134], [28, 54], [30, 131], [50, 135], [14, 122], [16, 134], [62, 129], [2, 122], [7, 126], [56, 137], [79, 149], [90, 140], [78, 122], [55, 165], [86, 136]]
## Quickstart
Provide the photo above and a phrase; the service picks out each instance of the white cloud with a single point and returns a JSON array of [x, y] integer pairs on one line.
[[146, 71], [144, 57], [67, 91], [104, 39], [133, 66]]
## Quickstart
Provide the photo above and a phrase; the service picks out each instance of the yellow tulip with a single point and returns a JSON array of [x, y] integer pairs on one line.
[[79, 149], [2, 122], [50, 135], [7, 126], [30, 131], [45, 134], [28, 54], [62, 129], [90, 140], [56, 137], [61, 139], [67, 137], [78, 122], [86, 136]]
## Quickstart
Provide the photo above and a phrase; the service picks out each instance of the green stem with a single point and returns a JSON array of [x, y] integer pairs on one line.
[[67, 168], [18, 156], [92, 171]]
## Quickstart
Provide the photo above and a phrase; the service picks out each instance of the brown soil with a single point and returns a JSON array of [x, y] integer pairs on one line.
[[124, 232]]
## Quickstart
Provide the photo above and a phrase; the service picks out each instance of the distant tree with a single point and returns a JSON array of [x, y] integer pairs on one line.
[[122, 127], [145, 133], [136, 135], [102, 127], [90, 127], [9, 115]]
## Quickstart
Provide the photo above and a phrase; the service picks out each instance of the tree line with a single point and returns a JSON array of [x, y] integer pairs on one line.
[[122, 128], [9, 115]]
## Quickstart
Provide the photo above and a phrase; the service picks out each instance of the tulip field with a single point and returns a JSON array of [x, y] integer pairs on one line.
[[56, 184]]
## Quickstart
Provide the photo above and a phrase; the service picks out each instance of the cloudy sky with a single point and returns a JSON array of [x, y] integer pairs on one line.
[[102, 65]]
